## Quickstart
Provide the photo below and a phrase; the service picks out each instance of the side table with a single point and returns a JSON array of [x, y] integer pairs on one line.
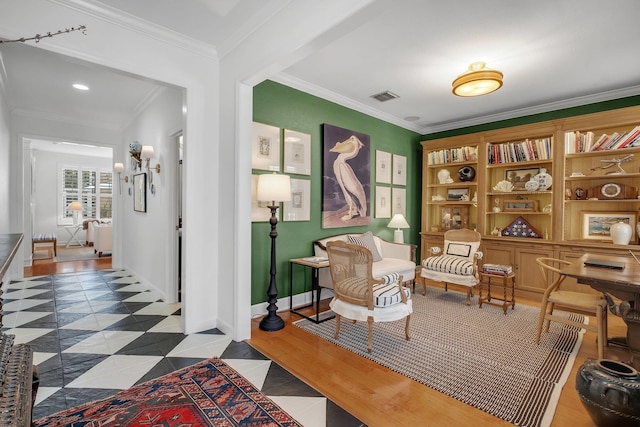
[[315, 267], [505, 282], [73, 233]]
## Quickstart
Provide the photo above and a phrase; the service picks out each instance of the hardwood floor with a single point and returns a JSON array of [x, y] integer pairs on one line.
[[374, 394], [380, 397]]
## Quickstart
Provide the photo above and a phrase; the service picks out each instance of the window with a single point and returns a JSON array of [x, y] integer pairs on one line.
[[93, 188]]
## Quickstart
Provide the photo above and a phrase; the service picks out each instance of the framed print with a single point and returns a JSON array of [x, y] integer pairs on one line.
[[346, 178], [399, 197], [383, 202], [297, 152], [298, 208], [140, 192], [458, 194], [259, 210], [519, 177], [265, 147], [399, 170], [454, 217], [383, 167], [520, 205], [596, 225]]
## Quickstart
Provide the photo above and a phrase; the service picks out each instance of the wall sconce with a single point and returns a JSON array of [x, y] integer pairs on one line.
[[147, 154], [119, 168]]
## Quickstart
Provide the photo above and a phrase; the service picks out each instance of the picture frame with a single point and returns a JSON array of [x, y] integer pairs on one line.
[[298, 209], [595, 225], [399, 170], [383, 202], [520, 205], [265, 147], [383, 167], [297, 152], [519, 177], [457, 194], [140, 192], [399, 198], [259, 210], [454, 217]]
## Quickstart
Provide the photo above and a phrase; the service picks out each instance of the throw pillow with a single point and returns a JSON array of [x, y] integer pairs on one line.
[[368, 242]]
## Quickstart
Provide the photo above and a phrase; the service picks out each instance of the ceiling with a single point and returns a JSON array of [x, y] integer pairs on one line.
[[553, 54]]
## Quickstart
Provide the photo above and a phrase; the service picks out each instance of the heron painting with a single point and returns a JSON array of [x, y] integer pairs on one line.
[[346, 178]]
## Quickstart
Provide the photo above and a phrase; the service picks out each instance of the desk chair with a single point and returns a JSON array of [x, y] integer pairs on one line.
[[574, 302]]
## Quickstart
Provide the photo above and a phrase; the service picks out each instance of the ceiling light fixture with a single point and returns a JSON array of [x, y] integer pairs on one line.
[[478, 80], [80, 86]]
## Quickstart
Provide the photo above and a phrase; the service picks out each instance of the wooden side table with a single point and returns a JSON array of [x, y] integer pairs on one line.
[[505, 282]]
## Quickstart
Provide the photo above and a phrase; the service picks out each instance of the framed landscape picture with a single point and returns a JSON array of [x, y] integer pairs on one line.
[[596, 225]]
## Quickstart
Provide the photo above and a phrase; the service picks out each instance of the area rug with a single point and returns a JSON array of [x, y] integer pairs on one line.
[[478, 356], [210, 393], [68, 254]]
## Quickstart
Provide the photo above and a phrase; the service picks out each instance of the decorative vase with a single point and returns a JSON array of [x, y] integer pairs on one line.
[[544, 179], [466, 173], [620, 233], [610, 391]]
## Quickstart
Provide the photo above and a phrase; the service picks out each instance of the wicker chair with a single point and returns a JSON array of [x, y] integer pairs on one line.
[[360, 297]]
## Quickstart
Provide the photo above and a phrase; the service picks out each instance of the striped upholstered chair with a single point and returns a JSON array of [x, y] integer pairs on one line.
[[360, 297], [456, 262]]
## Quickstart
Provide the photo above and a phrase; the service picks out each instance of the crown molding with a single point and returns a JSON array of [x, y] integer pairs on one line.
[[129, 22], [61, 118]]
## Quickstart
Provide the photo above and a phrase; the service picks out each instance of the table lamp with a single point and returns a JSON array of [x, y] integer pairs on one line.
[[398, 222], [273, 188], [75, 207]]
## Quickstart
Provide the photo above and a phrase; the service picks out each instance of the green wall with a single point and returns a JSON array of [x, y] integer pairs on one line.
[[287, 108]]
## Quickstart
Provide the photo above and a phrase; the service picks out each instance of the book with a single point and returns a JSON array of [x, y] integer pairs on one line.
[[316, 259]]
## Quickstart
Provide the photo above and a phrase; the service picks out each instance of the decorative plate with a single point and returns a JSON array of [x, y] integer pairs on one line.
[[531, 185]]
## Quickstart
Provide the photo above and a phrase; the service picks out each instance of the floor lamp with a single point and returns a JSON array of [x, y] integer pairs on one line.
[[273, 188]]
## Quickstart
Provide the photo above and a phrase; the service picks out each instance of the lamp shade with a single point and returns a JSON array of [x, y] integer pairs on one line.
[[398, 221], [274, 188], [118, 167], [478, 80], [75, 206], [147, 152]]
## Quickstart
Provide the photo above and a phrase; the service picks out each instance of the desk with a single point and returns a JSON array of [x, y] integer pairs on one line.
[[73, 233], [315, 288], [623, 284]]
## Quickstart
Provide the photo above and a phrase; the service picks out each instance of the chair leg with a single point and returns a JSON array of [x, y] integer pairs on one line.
[[550, 312], [335, 334], [541, 317], [370, 342], [468, 296], [406, 328], [446, 287]]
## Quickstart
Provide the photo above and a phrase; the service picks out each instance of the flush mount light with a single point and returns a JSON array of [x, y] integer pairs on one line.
[[478, 80], [80, 86]]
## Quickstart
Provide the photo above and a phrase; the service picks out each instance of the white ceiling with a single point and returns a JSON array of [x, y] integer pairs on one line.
[[553, 53]]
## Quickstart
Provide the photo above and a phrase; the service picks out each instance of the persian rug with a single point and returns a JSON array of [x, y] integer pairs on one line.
[[210, 393], [478, 356]]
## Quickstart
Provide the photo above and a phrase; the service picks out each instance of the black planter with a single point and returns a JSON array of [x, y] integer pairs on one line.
[[610, 390], [466, 173]]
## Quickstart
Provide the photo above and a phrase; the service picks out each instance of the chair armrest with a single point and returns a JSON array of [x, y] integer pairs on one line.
[[479, 255], [435, 250], [398, 250]]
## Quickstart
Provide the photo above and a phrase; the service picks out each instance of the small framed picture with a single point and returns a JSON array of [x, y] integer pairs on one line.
[[454, 217], [596, 225], [383, 167], [383, 202], [399, 197], [265, 147], [458, 194], [297, 152], [298, 208], [520, 205], [519, 177], [260, 211], [399, 170], [140, 192]]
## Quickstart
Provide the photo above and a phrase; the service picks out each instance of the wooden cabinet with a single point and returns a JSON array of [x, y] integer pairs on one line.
[[584, 185]]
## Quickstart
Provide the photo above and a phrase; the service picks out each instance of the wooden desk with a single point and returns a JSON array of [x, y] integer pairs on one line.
[[623, 284]]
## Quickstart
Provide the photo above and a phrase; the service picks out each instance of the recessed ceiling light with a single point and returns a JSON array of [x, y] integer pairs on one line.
[[80, 86], [412, 118]]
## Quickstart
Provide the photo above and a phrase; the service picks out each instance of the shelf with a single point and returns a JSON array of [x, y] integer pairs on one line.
[[462, 163], [608, 201], [606, 177], [519, 165], [453, 184], [502, 193], [616, 152], [450, 202], [519, 213]]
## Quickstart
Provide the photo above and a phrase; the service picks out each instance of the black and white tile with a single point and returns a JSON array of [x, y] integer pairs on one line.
[[97, 332]]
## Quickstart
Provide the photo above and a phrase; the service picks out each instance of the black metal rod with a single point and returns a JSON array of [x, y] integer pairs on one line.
[[272, 322]]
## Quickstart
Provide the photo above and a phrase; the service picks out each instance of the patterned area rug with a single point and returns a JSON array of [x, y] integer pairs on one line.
[[476, 355], [209, 393]]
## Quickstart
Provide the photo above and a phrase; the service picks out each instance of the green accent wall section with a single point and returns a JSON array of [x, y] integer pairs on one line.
[[278, 105]]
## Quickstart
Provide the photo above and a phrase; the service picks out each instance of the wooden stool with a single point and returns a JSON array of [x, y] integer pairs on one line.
[[503, 281], [44, 238]]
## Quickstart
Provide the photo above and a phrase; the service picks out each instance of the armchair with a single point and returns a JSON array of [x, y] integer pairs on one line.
[[457, 263], [103, 238], [360, 297]]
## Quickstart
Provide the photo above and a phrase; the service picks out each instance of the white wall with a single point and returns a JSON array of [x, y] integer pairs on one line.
[[5, 140], [45, 197], [150, 236]]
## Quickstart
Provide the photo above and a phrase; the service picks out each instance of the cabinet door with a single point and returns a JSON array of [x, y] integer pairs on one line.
[[496, 253], [528, 275]]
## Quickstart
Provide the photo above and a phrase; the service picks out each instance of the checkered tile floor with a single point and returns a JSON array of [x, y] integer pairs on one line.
[[95, 333]]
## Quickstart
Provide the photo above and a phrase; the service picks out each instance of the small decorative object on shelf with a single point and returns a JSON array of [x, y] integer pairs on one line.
[[498, 207], [607, 163], [444, 177], [620, 233], [504, 187], [547, 208], [544, 179], [520, 227], [579, 193], [466, 173], [531, 185]]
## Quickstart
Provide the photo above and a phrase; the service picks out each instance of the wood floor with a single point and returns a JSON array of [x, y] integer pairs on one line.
[[372, 393]]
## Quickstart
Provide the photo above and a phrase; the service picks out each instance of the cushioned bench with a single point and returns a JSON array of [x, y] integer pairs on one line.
[[40, 238]]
